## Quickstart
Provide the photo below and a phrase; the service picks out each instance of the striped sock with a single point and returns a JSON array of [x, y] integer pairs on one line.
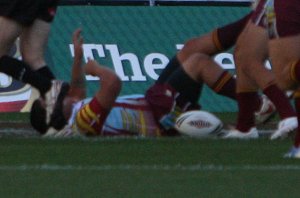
[[225, 85]]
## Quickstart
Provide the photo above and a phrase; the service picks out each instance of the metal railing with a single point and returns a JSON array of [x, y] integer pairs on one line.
[[156, 2]]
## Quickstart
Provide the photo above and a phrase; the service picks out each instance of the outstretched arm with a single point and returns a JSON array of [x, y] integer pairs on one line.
[[78, 84], [110, 84]]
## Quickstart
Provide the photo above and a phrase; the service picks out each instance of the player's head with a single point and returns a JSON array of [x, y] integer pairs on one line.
[[38, 116], [58, 118]]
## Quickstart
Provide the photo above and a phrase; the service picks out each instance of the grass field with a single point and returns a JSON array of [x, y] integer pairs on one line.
[[145, 167]]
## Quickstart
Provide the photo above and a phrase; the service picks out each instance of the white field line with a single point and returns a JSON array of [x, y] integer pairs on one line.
[[31, 133], [129, 167]]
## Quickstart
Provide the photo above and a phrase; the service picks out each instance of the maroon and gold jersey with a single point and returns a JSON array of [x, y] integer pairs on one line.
[[130, 115], [281, 18]]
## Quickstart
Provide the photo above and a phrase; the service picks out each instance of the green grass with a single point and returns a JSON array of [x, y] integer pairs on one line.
[[145, 167], [227, 117], [14, 116], [132, 167]]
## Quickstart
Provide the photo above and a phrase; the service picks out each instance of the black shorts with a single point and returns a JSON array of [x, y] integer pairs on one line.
[[26, 11]]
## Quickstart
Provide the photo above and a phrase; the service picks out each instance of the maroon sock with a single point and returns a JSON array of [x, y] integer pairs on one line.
[[248, 103], [280, 100], [225, 85], [297, 137]]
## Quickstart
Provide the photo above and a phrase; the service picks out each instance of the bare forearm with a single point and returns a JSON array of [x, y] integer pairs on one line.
[[78, 75]]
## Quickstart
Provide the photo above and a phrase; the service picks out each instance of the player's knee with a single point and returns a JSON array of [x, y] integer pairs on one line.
[[35, 61], [239, 56], [190, 44], [202, 44], [192, 64], [196, 65], [245, 62], [282, 81], [290, 75]]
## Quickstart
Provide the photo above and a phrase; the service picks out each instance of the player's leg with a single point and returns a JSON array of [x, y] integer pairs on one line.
[[33, 42], [251, 52], [286, 64], [202, 68], [294, 152], [196, 60], [248, 102], [250, 55], [35, 37], [200, 45], [285, 56], [221, 81], [8, 35], [208, 44], [21, 15], [179, 92], [15, 17], [297, 106], [284, 51], [11, 66], [218, 40]]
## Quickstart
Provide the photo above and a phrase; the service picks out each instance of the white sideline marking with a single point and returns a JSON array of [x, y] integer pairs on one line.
[[178, 167], [24, 132]]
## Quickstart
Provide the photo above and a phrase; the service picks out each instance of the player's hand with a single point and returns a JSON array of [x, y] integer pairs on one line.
[[90, 67], [78, 41]]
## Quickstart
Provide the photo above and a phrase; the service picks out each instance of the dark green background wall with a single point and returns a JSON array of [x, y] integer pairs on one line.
[[139, 30]]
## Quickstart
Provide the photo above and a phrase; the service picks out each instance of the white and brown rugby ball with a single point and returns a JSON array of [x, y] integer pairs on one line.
[[198, 123]]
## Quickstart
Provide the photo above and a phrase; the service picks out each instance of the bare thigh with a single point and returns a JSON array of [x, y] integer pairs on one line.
[[203, 44], [250, 55], [9, 32], [34, 40], [284, 52], [201, 67]]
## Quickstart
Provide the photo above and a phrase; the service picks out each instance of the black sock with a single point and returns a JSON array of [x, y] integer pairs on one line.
[[171, 67], [45, 71], [22, 72], [185, 85]]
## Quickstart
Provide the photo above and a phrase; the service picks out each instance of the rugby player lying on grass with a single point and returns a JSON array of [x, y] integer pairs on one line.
[[106, 114]]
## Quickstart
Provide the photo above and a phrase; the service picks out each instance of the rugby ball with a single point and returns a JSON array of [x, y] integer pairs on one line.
[[198, 123]]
